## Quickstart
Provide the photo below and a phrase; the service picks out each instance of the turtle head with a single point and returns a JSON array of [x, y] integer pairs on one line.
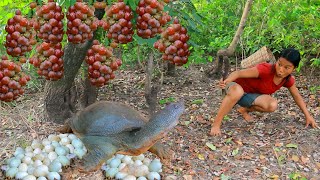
[[169, 116]]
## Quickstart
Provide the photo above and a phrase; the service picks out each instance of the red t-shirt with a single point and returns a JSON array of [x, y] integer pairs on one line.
[[264, 83]]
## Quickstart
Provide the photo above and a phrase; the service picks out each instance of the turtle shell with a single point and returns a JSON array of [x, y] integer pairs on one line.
[[107, 118]]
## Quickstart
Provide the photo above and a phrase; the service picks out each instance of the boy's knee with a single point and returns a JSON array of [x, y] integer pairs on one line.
[[273, 106], [235, 91]]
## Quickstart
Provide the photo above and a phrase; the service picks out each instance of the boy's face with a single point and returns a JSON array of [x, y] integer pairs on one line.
[[283, 67]]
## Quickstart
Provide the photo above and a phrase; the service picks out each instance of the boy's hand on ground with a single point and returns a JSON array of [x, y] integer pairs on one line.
[[215, 131], [310, 121]]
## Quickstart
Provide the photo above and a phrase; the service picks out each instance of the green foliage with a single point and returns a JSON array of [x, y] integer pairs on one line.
[[212, 24], [166, 100], [296, 176]]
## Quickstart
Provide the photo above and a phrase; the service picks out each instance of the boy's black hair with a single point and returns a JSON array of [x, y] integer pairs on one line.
[[291, 55]]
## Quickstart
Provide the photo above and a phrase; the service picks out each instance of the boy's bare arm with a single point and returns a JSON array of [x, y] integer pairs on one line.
[[302, 105], [245, 73]]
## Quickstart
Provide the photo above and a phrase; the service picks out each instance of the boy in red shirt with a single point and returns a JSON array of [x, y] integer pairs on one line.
[[252, 88]]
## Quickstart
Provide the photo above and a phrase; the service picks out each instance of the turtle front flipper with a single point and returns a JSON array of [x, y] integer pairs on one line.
[[161, 151], [99, 150]]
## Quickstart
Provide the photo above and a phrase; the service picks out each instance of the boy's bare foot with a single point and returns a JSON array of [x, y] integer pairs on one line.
[[243, 111]]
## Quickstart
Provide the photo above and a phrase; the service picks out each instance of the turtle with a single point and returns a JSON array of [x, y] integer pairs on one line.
[[108, 127]]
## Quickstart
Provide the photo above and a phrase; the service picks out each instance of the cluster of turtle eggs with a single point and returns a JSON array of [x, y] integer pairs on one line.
[[44, 159], [132, 167]]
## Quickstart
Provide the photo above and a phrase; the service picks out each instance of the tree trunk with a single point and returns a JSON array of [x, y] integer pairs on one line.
[[61, 96], [224, 54], [171, 69], [151, 91]]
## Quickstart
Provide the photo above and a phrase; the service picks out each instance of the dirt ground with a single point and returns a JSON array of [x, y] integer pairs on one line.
[[274, 146]]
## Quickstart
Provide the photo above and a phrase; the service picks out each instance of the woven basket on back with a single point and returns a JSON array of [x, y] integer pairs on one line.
[[262, 55]]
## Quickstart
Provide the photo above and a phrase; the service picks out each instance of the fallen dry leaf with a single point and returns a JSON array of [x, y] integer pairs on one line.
[[187, 177], [304, 160], [295, 158]]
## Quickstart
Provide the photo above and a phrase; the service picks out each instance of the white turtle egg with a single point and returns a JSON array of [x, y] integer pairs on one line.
[[41, 170], [140, 157], [60, 151], [37, 163], [155, 165], [137, 163], [19, 156], [119, 156], [46, 142], [21, 175], [65, 140], [64, 160], [141, 170], [23, 167], [130, 177], [46, 161], [39, 156], [153, 176], [37, 151], [146, 161], [85, 149], [54, 176], [29, 149], [121, 166], [36, 144], [27, 160], [55, 144], [30, 169], [63, 135], [55, 166], [53, 137], [77, 143], [79, 152], [112, 172], [120, 175], [48, 148], [29, 154], [41, 178], [127, 160], [114, 163], [15, 162], [7, 161], [52, 156], [19, 150], [70, 147], [142, 178], [110, 159], [72, 137], [66, 148], [11, 172], [105, 167], [29, 177]]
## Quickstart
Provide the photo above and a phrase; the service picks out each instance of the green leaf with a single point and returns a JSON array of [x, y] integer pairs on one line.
[[211, 146], [132, 4], [235, 152], [166, 100], [197, 101], [229, 140], [187, 123], [226, 118], [281, 158], [292, 146], [224, 177]]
